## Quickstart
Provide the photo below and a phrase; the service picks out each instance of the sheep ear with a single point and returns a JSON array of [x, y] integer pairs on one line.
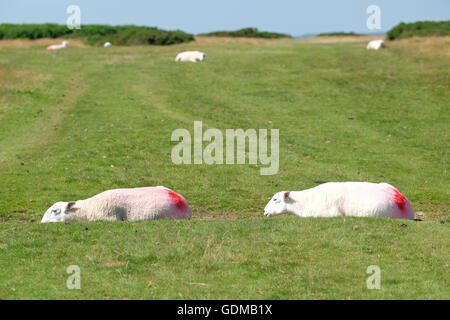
[[70, 205], [286, 195]]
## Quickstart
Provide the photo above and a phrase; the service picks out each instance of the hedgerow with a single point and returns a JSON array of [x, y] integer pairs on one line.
[[247, 33], [96, 34], [421, 28]]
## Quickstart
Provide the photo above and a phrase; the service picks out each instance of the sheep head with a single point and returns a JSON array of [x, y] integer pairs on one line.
[[278, 204], [58, 212]]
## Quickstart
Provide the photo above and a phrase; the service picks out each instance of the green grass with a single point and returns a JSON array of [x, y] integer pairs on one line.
[[344, 114], [285, 258]]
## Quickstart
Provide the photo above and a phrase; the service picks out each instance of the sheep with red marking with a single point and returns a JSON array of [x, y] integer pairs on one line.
[[148, 203], [333, 199]]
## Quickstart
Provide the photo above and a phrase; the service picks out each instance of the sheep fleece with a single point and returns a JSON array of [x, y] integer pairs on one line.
[[134, 204]]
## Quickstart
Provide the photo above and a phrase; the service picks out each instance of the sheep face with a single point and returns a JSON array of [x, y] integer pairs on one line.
[[278, 204], [57, 212]]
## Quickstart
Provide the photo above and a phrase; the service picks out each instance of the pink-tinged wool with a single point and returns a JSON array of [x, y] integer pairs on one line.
[[179, 203], [402, 204], [55, 47], [146, 203], [58, 46]]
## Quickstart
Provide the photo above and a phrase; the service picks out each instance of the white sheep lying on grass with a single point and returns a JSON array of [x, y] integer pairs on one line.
[[332, 199], [375, 44], [58, 46], [190, 56], [147, 203]]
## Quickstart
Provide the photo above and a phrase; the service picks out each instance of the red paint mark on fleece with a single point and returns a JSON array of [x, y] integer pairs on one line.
[[178, 200], [400, 200]]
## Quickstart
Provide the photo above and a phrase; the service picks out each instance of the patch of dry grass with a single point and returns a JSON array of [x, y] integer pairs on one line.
[[340, 39], [240, 40], [113, 263], [260, 41], [26, 43], [430, 46], [23, 79]]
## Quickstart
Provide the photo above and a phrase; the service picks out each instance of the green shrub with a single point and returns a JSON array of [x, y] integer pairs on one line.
[[247, 33], [97, 34], [420, 28], [332, 34]]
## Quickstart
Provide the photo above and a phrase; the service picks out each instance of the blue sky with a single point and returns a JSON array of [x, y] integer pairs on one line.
[[295, 17]]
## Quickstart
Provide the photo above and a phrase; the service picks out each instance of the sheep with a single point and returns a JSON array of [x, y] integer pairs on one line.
[[191, 56], [375, 44], [58, 46], [333, 199], [107, 44], [148, 203]]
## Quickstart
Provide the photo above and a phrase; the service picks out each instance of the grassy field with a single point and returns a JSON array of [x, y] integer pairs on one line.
[[79, 121]]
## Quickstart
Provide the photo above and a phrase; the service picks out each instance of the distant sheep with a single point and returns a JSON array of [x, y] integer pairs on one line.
[[190, 56], [107, 44], [149, 203], [375, 44], [58, 46], [333, 199]]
